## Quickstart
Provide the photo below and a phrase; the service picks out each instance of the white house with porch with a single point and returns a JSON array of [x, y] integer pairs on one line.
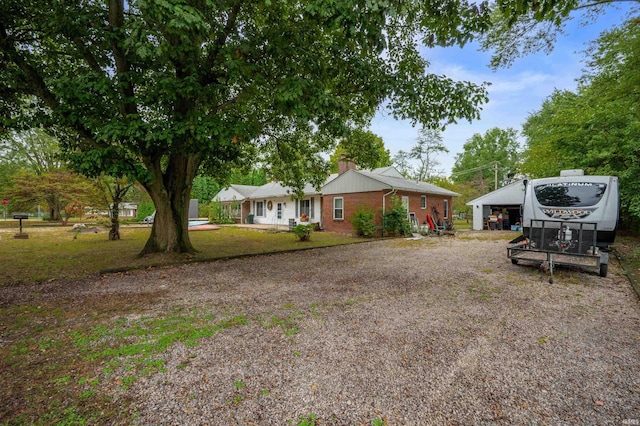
[[235, 199], [272, 204]]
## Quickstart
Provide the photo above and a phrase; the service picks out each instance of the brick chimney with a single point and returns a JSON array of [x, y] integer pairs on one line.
[[345, 164]]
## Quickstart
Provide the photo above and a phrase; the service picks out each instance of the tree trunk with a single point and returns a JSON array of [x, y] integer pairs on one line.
[[114, 232], [54, 209], [171, 192]]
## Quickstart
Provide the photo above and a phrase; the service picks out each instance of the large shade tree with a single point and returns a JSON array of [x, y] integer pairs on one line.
[[488, 160], [597, 128], [160, 90], [364, 148], [34, 152]]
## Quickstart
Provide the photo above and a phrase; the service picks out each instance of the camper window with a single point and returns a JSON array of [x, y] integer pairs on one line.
[[573, 194]]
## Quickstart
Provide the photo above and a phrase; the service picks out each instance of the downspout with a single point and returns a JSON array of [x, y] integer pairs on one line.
[[384, 208]]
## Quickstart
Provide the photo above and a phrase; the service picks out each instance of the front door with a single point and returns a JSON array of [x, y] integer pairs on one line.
[[279, 211]]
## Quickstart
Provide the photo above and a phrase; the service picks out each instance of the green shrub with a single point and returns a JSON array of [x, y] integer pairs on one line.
[[395, 219], [363, 222], [218, 213], [203, 209], [303, 232]]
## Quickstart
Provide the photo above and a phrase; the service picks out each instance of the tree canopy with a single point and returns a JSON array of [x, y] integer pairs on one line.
[[523, 27], [32, 153], [364, 148], [63, 192], [33, 150], [597, 128], [482, 154], [158, 91]]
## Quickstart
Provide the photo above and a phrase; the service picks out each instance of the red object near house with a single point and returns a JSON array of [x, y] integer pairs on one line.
[[432, 226]]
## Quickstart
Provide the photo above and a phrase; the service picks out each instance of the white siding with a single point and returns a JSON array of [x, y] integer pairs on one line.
[[288, 211]]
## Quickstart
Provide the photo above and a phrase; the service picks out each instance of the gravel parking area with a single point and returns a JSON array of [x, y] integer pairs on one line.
[[434, 331]]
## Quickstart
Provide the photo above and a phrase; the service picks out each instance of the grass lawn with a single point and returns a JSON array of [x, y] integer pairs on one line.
[[462, 223], [53, 252]]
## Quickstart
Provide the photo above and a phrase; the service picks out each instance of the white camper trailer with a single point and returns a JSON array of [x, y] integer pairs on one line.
[[569, 220]]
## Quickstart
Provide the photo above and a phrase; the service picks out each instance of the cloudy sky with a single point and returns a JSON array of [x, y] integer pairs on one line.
[[514, 92]]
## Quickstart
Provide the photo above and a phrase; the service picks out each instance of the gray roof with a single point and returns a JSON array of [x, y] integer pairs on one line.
[[276, 189], [245, 190], [235, 192], [405, 184], [512, 194]]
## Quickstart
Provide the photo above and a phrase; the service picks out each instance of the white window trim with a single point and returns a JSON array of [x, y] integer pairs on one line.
[[423, 206], [445, 204], [341, 208], [311, 207]]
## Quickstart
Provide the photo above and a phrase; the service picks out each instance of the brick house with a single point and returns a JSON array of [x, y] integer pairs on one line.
[[354, 189], [333, 207]]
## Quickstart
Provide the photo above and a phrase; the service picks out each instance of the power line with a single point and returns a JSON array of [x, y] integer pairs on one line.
[[475, 169]]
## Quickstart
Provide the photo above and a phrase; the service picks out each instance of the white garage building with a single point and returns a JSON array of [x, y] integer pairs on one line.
[[507, 200]]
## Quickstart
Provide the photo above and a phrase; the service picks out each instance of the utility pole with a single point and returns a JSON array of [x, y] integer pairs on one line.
[[495, 174]]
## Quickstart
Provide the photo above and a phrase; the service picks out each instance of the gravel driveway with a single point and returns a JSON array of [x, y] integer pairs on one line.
[[434, 331]]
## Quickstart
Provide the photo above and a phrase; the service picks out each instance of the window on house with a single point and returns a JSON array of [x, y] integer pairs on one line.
[[338, 208], [305, 208], [260, 209], [423, 202], [446, 209]]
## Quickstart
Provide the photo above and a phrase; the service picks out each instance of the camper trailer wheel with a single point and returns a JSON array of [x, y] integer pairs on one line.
[[604, 268], [514, 261]]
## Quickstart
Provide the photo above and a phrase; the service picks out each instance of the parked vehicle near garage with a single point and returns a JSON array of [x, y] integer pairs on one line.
[[568, 220]]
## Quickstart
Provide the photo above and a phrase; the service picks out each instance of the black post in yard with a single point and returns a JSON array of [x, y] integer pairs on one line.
[[21, 235]]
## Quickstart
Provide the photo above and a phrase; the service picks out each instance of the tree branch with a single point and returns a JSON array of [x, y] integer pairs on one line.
[[86, 54], [116, 22], [601, 2], [219, 43]]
